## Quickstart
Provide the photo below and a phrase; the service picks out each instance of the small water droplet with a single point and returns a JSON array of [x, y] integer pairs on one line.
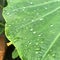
[[41, 19], [31, 3], [38, 39], [42, 42], [23, 8], [48, 54], [24, 19], [14, 10], [37, 49], [32, 20], [51, 25], [9, 25], [29, 43], [45, 7], [50, 50], [36, 52], [39, 35], [7, 13], [53, 55], [25, 38], [37, 14], [37, 43], [31, 29], [34, 32]]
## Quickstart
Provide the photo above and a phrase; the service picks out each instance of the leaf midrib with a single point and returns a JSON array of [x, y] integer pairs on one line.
[[51, 45]]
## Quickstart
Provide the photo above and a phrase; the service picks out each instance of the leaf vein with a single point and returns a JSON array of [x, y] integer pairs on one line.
[[51, 46], [41, 17]]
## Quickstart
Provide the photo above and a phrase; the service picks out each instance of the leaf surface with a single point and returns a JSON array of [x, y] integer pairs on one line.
[[33, 27]]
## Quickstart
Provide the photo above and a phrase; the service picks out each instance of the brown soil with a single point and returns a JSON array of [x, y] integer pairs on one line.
[[2, 47]]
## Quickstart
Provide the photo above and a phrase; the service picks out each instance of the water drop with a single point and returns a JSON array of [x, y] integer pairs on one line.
[[31, 29], [14, 10], [36, 52], [32, 20], [37, 49], [51, 25], [9, 25], [34, 32], [7, 13], [41, 19], [39, 35], [31, 3], [45, 7], [53, 55], [48, 54], [25, 38], [29, 43], [37, 14], [50, 50], [42, 42], [23, 8], [37, 43]]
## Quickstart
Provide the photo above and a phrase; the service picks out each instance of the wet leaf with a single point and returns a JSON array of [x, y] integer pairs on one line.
[[33, 27]]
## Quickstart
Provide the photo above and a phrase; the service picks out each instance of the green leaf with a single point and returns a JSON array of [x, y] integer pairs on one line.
[[33, 26], [15, 54]]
